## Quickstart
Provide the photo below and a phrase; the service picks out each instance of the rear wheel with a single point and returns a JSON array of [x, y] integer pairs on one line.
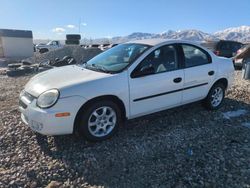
[[100, 121], [215, 97]]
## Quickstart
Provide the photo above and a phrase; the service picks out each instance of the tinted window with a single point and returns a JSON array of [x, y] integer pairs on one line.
[[195, 56], [162, 60]]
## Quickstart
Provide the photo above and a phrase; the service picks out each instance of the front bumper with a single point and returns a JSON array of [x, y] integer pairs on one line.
[[45, 122]]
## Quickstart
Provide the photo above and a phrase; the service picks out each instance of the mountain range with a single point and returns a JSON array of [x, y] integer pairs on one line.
[[241, 34]]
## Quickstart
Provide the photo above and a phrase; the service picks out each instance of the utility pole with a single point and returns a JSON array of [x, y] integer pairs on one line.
[[79, 27]]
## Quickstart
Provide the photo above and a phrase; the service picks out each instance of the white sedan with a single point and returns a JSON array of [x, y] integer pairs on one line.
[[130, 80]]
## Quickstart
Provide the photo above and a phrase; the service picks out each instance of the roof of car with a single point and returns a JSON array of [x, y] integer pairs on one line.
[[156, 41]]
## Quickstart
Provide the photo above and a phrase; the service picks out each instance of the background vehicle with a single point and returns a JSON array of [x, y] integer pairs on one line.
[[127, 81], [54, 44], [242, 56], [224, 48]]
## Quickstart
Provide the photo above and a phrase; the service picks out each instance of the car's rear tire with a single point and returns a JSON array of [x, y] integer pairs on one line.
[[215, 97], [99, 121]]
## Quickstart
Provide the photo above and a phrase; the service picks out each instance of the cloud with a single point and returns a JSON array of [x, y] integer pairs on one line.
[[108, 37], [71, 26], [84, 24], [58, 30]]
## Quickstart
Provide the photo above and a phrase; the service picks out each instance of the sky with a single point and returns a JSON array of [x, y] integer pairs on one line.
[[52, 19]]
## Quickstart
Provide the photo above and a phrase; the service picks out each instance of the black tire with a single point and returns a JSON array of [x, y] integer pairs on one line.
[[15, 73], [43, 50], [26, 62], [73, 37], [28, 69], [208, 100], [82, 122], [72, 42]]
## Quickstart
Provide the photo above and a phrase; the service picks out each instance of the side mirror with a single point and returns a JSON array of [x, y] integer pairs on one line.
[[143, 72]]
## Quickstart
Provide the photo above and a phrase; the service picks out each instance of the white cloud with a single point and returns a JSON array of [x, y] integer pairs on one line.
[[58, 30], [71, 26], [84, 24], [108, 37]]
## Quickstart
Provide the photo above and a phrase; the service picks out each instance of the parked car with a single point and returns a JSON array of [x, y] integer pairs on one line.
[[242, 56], [130, 80], [55, 44], [224, 48], [104, 46]]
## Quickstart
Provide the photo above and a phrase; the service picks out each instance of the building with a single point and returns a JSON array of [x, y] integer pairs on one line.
[[16, 43]]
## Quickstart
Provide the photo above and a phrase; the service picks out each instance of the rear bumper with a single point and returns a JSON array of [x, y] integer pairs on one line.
[[45, 122]]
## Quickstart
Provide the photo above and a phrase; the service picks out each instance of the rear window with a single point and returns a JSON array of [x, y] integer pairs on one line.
[[195, 56]]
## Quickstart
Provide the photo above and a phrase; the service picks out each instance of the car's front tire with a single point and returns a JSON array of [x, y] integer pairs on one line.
[[99, 121], [215, 97]]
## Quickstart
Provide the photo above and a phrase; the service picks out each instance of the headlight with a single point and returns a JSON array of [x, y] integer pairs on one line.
[[48, 98]]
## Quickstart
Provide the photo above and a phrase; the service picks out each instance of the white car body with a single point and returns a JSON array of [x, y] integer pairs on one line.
[[52, 45], [139, 96]]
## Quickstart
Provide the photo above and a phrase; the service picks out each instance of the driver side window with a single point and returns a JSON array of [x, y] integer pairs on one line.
[[163, 59]]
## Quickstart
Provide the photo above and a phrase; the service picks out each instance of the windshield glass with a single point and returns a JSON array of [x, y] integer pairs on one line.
[[117, 58]]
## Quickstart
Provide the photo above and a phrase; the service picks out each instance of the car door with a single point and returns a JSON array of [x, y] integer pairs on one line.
[[156, 83], [199, 73]]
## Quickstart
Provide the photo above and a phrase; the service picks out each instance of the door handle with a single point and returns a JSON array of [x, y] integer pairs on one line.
[[211, 73], [177, 80]]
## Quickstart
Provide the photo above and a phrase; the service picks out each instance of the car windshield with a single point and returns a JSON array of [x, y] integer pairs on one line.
[[117, 58]]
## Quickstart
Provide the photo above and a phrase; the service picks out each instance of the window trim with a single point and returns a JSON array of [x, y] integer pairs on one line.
[[210, 60], [179, 64]]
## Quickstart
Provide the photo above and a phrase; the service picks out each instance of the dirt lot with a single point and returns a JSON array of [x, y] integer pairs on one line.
[[183, 147]]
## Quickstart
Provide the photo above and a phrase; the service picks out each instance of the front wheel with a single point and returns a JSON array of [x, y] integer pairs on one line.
[[215, 97], [100, 121]]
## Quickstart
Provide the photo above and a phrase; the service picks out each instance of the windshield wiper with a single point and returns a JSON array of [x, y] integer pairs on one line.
[[97, 68], [102, 68]]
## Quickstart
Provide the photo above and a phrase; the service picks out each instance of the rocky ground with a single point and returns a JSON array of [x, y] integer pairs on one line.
[[80, 54], [182, 147]]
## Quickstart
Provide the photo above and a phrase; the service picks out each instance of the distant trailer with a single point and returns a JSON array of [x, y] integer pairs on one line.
[[16, 43]]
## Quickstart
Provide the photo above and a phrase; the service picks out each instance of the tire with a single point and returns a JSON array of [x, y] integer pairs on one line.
[[43, 50], [72, 42], [210, 101], [28, 69], [26, 62], [15, 73], [86, 116], [73, 37]]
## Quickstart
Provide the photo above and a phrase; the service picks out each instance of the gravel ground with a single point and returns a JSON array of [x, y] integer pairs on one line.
[[182, 147], [80, 54]]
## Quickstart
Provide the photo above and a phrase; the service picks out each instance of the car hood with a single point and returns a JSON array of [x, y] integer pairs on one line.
[[58, 78]]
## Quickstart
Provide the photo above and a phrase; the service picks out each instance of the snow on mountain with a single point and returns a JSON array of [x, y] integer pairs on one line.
[[241, 33], [194, 35]]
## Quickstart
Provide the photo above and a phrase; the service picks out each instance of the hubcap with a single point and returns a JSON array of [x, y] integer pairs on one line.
[[217, 97], [102, 121]]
